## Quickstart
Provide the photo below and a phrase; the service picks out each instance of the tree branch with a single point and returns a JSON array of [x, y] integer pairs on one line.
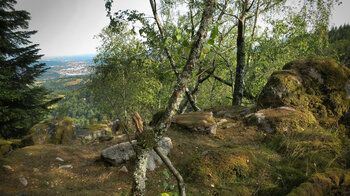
[[173, 170]]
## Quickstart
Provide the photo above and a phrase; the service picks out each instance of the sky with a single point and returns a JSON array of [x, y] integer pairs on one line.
[[68, 27]]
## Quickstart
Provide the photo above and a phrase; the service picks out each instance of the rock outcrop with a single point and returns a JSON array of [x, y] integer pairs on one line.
[[317, 85], [200, 122], [123, 152], [54, 131], [101, 132]]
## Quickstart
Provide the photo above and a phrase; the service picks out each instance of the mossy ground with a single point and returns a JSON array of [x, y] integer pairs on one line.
[[239, 160]]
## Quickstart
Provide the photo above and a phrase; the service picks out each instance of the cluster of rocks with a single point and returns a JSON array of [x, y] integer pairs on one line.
[[123, 152]]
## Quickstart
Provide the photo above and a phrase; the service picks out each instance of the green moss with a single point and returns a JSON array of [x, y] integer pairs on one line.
[[64, 132], [332, 182], [221, 166], [96, 127], [286, 120], [5, 146]]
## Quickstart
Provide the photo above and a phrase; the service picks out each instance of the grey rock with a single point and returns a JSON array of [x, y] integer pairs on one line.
[[123, 152], [230, 125], [65, 166], [260, 120], [153, 159], [120, 153], [221, 121], [124, 169], [59, 159], [23, 181], [8, 167]]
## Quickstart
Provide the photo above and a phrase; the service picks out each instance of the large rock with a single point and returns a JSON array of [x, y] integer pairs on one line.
[[93, 132], [123, 152], [282, 119], [317, 85], [201, 122], [54, 131]]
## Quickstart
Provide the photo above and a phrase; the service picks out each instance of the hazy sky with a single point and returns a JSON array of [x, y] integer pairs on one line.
[[67, 27]]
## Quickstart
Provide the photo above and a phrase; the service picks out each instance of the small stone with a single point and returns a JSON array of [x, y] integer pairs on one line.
[[230, 125], [59, 159], [120, 136], [286, 108], [8, 167], [205, 153], [222, 121], [124, 169], [23, 181], [65, 166], [35, 170]]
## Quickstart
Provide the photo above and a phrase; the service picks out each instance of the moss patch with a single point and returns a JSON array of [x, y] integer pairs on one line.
[[98, 127], [332, 182], [222, 166]]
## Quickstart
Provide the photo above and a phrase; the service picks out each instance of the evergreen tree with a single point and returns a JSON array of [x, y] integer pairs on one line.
[[22, 104]]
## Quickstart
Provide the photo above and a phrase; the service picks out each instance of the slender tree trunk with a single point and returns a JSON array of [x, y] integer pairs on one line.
[[239, 80], [148, 140], [140, 170], [168, 53]]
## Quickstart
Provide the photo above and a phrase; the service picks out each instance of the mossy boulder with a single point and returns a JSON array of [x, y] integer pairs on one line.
[[281, 119], [53, 131], [332, 182], [7, 146], [318, 85], [298, 136]]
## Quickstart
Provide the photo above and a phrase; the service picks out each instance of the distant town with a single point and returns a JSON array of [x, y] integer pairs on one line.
[[67, 66]]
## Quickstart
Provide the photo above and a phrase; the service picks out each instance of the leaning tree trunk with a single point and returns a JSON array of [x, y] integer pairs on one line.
[[239, 81], [147, 140]]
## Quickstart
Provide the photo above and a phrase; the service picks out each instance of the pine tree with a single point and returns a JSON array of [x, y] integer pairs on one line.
[[22, 104]]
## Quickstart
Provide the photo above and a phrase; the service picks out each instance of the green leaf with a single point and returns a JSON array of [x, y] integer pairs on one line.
[[215, 31], [164, 194], [178, 37], [174, 37], [185, 43], [165, 184], [166, 174], [206, 48], [211, 41], [178, 31]]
